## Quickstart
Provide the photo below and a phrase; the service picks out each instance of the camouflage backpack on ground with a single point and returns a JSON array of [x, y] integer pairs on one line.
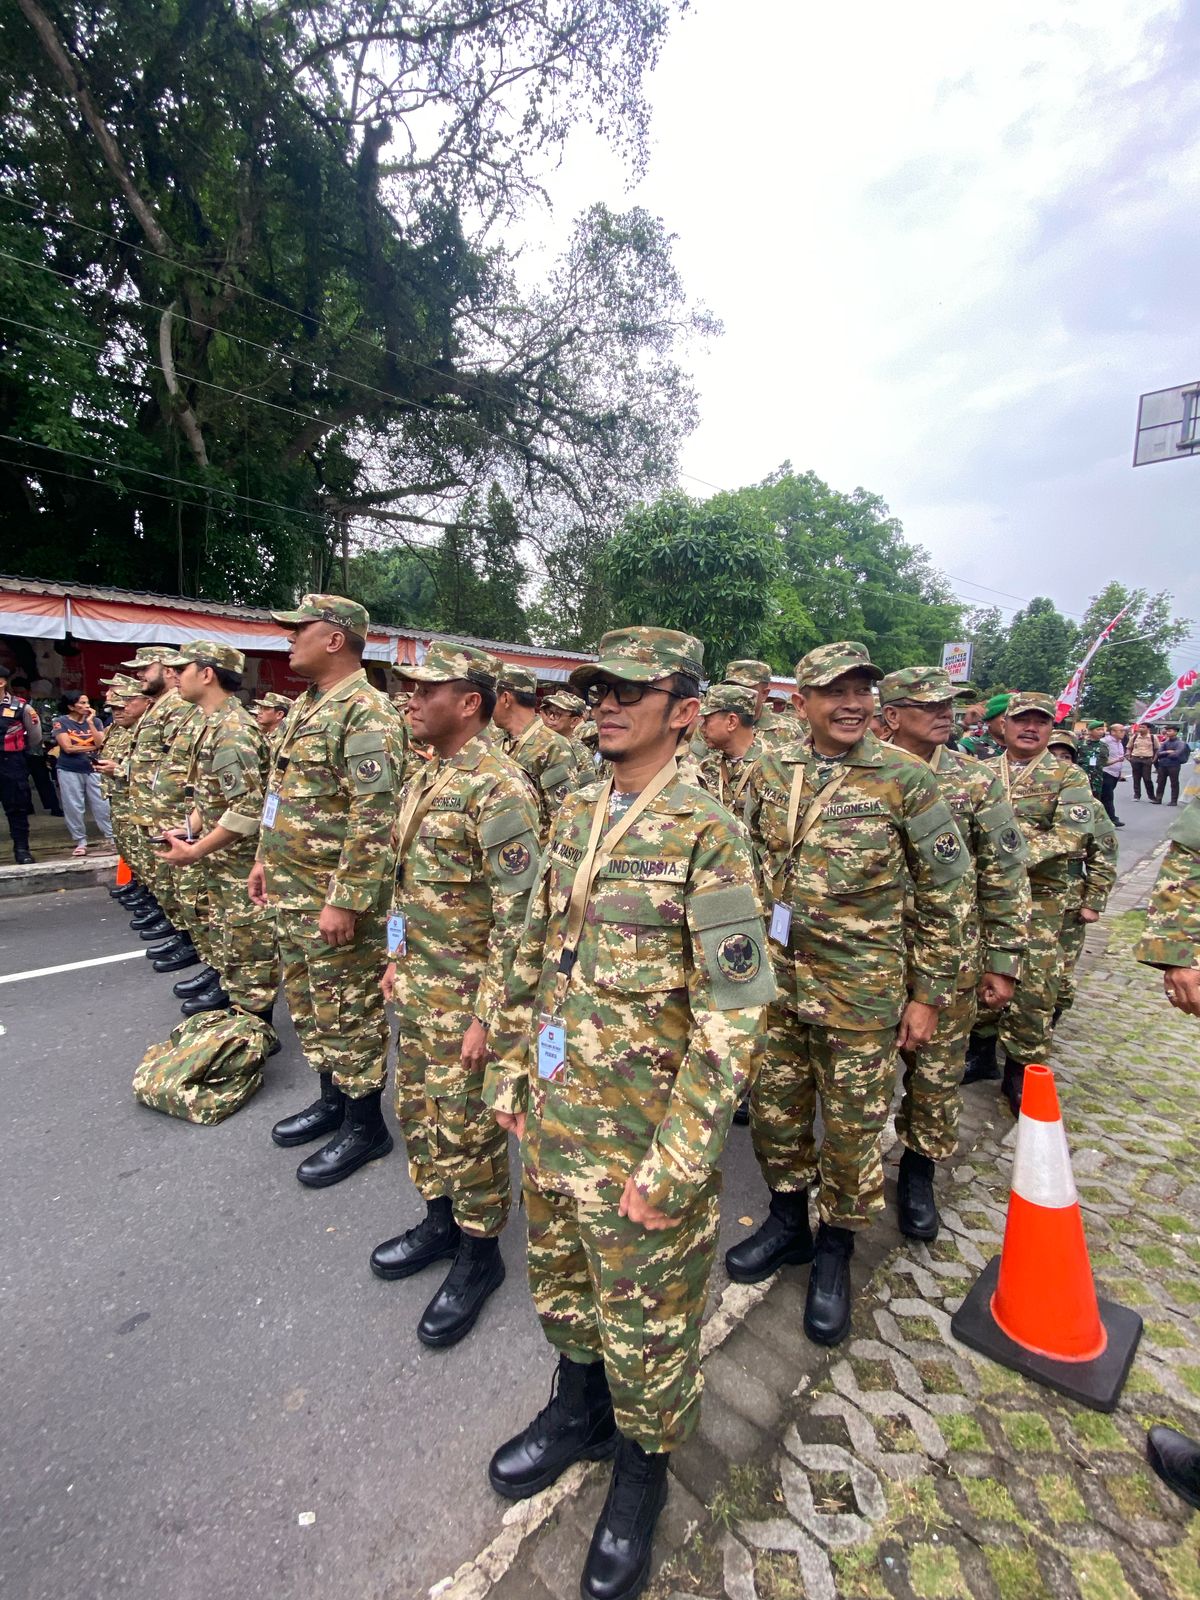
[[207, 1069]]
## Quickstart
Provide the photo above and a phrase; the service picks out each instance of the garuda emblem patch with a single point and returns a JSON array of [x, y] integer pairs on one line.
[[514, 859], [946, 847], [739, 957]]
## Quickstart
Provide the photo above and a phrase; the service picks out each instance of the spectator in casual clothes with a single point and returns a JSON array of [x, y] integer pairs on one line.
[[1114, 769], [79, 735], [1141, 750], [1172, 753]]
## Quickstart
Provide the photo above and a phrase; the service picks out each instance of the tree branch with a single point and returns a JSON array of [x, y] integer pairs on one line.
[[188, 420]]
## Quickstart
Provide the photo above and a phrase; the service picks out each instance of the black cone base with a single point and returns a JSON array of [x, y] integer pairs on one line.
[[1095, 1383]]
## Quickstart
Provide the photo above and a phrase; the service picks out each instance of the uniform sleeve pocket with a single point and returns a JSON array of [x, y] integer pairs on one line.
[[369, 763], [228, 770], [939, 844], [441, 852], [731, 949], [512, 849]]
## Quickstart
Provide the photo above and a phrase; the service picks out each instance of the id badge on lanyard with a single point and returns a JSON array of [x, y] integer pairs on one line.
[[270, 808], [781, 922], [551, 1047], [397, 935]]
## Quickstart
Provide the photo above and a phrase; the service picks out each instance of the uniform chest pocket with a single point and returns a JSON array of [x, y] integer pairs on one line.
[[310, 768], [639, 939], [443, 851], [861, 859]]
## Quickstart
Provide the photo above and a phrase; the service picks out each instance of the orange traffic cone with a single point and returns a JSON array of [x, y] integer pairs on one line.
[[124, 875], [1034, 1307]]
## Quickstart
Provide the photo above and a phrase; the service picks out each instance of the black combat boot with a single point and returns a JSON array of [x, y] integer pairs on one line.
[[159, 927], [618, 1558], [204, 979], [435, 1238], [178, 958], [1056, 1016], [127, 892], [18, 826], [741, 1116], [785, 1237], [914, 1197], [1013, 1083], [362, 1137], [827, 1308], [477, 1272], [165, 947], [213, 998], [981, 1058], [323, 1116], [577, 1425], [1175, 1459], [145, 915]]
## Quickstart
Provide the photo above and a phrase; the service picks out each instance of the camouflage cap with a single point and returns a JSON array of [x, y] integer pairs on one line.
[[1065, 736], [996, 706], [1043, 703], [148, 654], [922, 685], [333, 608], [445, 663], [828, 662], [519, 679], [273, 702], [121, 683], [640, 655], [751, 674], [207, 653], [564, 700], [729, 697]]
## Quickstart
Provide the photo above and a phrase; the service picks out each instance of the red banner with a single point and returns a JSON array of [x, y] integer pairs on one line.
[[1069, 698]]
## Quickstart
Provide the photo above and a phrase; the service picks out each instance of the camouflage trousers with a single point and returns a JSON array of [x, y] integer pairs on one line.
[[1024, 1029], [335, 999], [608, 1290], [241, 935], [455, 1145], [192, 909], [854, 1072], [1074, 937], [927, 1121]]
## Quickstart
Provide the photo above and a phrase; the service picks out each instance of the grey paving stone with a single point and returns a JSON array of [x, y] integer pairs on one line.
[[737, 1374]]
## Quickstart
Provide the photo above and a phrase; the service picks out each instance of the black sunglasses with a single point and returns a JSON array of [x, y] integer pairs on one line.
[[625, 694]]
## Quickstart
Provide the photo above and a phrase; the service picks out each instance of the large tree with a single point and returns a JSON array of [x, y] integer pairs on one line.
[[1039, 652], [262, 282], [1135, 662]]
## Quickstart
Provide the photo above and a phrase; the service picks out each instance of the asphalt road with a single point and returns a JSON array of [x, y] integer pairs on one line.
[[195, 1352]]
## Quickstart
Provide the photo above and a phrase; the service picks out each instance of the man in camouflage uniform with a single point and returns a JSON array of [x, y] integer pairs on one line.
[[228, 786], [771, 730], [127, 701], [841, 823], [468, 831], [1091, 890], [269, 714], [548, 758], [918, 707], [325, 867], [562, 712], [627, 1036], [727, 726], [1054, 809]]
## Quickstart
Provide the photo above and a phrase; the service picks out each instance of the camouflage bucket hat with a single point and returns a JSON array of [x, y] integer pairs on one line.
[[750, 674], [273, 702], [564, 700], [1017, 703], [519, 679], [996, 706], [332, 608], [1065, 737], [640, 655], [729, 697], [148, 654], [446, 663], [922, 685], [207, 653], [828, 662]]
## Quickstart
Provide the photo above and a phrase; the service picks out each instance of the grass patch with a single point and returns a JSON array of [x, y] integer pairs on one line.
[[747, 1494], [1099, 1576], [962, 1433], [1183, 1290], [1132, 1494], [990, 1500], [1191, 1377], [1157, 1255], [1026, 1430], [1097, 1431], [934, 1573], [1167, 1335], [777, 1576], [1015, 1573], [1061, 1498]]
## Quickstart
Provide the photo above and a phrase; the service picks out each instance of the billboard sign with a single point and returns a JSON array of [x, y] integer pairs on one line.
[[957, 658], [1168, 425]]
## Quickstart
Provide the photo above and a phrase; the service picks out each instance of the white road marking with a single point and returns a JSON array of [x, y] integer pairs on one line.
[[70, 966]]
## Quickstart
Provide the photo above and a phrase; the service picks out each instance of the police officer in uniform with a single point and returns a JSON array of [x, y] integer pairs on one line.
[[20, 732]]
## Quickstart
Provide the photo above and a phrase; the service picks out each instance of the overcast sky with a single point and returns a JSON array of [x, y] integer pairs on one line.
[[950, 246]]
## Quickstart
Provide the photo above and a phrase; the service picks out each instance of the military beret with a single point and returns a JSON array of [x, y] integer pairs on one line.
[[335, 608], [449, 663], [828, 662], [729, 697], [519, 679], [207, 653], [1096, 723], [751, 674], [640, 655], [996, 706], [1042, 703], [923, 685]]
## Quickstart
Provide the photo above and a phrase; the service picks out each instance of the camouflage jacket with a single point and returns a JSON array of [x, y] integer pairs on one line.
[[847, 881], [998, 903], [463, 886], [228, 779], [552, 765], [1053, 808], [118, 747], [337, 772], [662, 1012], [1099, 864], [773, 731], [160, 761], [1172, 933], [726, 778]]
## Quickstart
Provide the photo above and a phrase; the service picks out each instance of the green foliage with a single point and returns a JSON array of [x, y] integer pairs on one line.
[[1041, 649], [988, 631], [1136, 662], [706, 567]]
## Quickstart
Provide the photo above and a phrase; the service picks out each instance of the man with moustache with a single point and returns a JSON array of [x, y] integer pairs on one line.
[[269, 713]]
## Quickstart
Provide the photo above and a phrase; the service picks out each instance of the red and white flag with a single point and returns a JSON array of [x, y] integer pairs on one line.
[[1169, 698], [1069, 698]]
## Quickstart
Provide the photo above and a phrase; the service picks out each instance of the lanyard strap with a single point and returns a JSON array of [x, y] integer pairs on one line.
[[294, 727], [417, 805], [741, 783], [595, 858], [797, 837], [1011, 783]]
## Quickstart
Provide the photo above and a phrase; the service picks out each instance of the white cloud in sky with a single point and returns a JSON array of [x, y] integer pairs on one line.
[[950, 246]]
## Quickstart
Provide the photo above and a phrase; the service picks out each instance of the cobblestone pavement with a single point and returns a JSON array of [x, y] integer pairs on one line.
[[902, 1464]]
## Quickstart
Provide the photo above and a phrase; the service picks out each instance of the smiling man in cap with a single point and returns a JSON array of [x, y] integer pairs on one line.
[[844, 829], [643, 969], [324, 868]]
